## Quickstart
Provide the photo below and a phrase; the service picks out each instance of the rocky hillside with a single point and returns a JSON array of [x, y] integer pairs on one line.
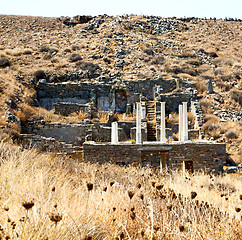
[[106, 48]]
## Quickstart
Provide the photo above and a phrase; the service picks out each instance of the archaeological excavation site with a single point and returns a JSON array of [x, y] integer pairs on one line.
[[140, 127], [120, 127], [130, 90]]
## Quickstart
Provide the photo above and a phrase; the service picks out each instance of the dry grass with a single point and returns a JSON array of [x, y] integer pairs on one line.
[[50, 116], [26, 113], [206, 106], [59, 199], [103, 116]]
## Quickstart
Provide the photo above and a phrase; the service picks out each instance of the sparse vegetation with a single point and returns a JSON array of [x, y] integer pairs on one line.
[[70, 199], [44, 197]]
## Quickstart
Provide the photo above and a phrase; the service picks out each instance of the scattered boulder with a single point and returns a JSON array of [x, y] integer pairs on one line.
[[75, 20], [209, 86], [44, 49], [11, 103], [39, 74], [88, 66]]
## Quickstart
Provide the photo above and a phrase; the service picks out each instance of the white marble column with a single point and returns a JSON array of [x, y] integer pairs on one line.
[[134, 110], [143, 112], [181, 123], [185, 122], [138, 124], [114, 133], [163, 123]]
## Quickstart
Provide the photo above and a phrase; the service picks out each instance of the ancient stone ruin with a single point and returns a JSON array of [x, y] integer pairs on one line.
[[148, 139]]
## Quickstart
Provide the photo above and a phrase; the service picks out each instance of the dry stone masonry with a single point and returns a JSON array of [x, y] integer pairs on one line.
[[150, 101]]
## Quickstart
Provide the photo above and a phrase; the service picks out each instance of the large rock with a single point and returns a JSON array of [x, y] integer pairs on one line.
[[209, 86]]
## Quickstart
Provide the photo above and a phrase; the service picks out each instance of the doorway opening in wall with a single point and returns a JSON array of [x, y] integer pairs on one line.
[[120, 100], [188, 166]]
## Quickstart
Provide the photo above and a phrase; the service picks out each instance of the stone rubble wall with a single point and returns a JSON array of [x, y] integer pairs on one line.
[[205, 155], [198, 114], [65, 108], [104, 95], [76, 133], [48, 144]]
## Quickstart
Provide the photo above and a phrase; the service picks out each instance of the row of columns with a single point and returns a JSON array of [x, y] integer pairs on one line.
[[183, 124]]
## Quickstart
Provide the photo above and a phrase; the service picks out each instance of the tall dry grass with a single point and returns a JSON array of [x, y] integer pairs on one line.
[[43, 197]]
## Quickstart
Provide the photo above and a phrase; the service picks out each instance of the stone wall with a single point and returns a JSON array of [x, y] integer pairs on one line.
[[76, 133], [205, 155], [66, 108], [173, 101], [49, 144], [105, 96]]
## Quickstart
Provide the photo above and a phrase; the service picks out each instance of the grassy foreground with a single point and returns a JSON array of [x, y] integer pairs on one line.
[[43, 197]]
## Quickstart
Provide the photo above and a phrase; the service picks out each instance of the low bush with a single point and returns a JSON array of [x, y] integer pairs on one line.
[[158, 60], [231, 134], [26, 113], [149, 51], [44, 49], [206, 105], [173, 68], [236, 96], [4, 62], [211, 117], [88, 66], [75, 57], [75, 47], [212, 129]]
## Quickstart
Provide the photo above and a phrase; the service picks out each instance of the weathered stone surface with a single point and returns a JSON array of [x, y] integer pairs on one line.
[[205, 155]]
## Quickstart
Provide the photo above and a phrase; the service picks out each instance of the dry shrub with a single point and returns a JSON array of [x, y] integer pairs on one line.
[[206, 106], [187, 54], [2, 121], [39, 74], [186, 76], [203, 68], [201, 86], [82, 115], [224, 87], [175, 117], [219, 71], [212, 129], [111, 205], [174, 68], [62, 63], [231, 134], [236, 96], [158, 60], [75, 57], [4, 62], [188, 70], [15, 51], [26, 113], [211, 118], [220, 61], [16, 127], [191, 117], [103, 116], [44, 49]]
